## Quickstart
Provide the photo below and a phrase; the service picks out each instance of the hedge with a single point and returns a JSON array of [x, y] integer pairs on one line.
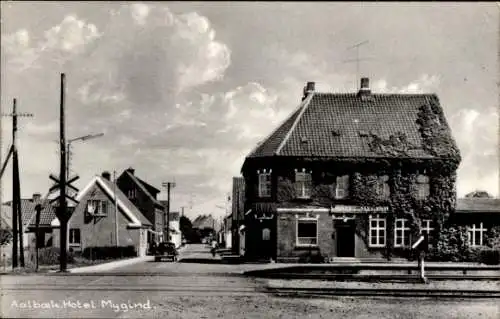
[[109, 252]]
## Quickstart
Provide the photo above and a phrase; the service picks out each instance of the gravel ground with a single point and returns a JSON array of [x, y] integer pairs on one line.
[[272, 307], [459, 285]]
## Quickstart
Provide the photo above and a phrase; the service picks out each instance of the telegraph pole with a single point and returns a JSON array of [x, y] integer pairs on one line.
[[17, 219], [168, 185], [63, 220]]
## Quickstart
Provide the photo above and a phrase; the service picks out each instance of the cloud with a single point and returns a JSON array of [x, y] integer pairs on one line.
[[425, 84], [477, 137]]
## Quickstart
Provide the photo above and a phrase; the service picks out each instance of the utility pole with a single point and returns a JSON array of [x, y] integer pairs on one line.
[[166, 221], [116, 210], [63, 218], [17, 219], [357, 59]]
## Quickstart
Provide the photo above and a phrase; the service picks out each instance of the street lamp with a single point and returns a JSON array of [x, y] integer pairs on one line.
[[68, 147]]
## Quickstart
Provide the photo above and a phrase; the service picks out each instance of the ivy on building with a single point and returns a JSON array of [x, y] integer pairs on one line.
[[440, 167]]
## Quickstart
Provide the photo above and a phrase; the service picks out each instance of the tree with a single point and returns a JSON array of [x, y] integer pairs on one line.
[[5, 236], [187, 229]]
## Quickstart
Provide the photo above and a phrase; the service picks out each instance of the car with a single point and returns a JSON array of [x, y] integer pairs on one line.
[[166, 251]]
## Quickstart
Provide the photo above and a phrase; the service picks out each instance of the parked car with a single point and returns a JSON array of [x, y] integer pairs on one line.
[[166, 251]]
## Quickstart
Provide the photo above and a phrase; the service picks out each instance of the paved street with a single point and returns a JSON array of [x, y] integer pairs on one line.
[[189, 290]]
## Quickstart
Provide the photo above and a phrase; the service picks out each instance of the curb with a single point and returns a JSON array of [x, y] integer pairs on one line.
[[111, 265]]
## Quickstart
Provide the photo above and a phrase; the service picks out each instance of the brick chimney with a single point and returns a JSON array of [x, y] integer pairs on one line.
[[365, 87], [308, 89], [131, 170], [36, 197], [106, 175]]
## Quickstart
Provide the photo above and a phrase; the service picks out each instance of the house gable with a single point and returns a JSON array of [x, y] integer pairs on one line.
[[97, 181]]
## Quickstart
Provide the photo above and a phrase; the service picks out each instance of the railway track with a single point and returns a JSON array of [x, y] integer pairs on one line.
[[376, 278], [367, 292]]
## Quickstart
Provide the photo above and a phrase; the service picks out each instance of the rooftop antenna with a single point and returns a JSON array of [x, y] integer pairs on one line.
[[357, 59]]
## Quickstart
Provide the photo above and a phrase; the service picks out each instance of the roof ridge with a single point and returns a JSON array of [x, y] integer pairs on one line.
[[306, 103]]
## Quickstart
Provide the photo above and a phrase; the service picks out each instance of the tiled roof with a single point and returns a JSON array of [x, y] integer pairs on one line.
[[478, 205], [340, 125], [123, 198], [142, 185], [47, 214]]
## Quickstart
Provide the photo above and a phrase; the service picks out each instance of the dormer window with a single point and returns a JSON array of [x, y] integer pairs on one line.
[[342, 187], [264, 183], [383, 189], [303, 183], [423, 187]]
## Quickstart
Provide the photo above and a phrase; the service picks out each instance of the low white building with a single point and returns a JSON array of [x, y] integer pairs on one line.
[[175, 229]]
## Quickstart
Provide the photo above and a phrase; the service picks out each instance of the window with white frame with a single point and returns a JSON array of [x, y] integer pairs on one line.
[[423, 187], [307, 232], [264, 184], [401, 232], [342, 187], [74, 236], [476, 235], [377, 231], [383, 189], [427, 227], [97, 207], [303, 184]]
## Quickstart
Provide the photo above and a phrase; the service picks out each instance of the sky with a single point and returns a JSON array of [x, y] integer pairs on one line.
[[184, 90]]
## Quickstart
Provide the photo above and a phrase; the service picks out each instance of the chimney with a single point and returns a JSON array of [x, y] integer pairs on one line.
[[365, 87], [131, 170], [308, 89], [36, 197], [106, 175]]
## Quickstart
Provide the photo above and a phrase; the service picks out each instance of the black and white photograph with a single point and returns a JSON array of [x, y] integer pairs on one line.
[[249, 159]]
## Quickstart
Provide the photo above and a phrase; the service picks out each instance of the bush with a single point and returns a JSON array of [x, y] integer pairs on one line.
[[453, 245], [109, 252], [489, 256], [50, 256]]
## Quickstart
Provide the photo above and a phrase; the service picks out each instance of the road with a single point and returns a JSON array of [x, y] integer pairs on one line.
[[189, 290]]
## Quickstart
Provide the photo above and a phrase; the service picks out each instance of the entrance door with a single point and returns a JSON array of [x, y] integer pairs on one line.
[[345, 240]]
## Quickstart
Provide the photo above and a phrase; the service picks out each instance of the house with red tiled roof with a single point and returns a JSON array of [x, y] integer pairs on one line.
[[105, 217], [145, 197], [356, 175]]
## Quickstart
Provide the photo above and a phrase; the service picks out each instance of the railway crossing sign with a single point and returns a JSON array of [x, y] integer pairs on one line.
[[70, 187]]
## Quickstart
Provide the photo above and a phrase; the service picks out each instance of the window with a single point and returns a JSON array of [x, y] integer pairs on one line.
[[377, 231], [97, 207], [74, 236], [266, 234], [342, 187], [307, 232], [423, 187], [401, 233], [264, 184], [427, 228], [383, 189], [131, 194], [476, 234], [303, 183]]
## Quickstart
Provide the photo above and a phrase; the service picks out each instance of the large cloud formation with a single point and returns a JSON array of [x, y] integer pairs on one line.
[[154, 82]]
